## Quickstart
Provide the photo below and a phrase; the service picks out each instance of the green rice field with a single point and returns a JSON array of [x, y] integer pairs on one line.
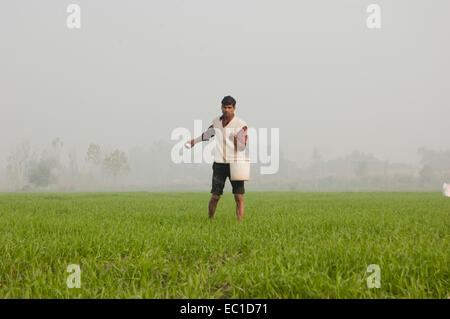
[[162, 245]]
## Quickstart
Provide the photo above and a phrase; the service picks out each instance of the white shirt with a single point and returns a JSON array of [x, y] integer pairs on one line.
[[225, 150]]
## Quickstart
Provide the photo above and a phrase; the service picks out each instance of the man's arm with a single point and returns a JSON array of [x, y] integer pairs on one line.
[[206, 136], [241, 139]]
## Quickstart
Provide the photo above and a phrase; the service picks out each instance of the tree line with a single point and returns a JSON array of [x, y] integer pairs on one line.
[[28, 169], [56, 167]]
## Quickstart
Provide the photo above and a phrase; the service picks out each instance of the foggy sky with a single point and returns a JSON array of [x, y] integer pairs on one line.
[[138, 69]]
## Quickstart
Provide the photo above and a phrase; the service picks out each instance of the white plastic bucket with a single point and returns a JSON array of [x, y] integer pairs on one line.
[[240, 169]]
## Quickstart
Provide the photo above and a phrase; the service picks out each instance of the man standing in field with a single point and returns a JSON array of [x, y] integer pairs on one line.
[[231, 139]]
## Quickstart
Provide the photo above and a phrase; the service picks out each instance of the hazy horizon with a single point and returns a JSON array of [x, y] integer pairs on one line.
[[137, 70]]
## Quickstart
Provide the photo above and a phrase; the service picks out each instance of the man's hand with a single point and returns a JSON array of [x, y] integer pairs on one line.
[[189, 144]]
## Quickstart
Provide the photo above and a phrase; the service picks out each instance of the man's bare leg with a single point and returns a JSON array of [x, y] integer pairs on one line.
[[239, 198], [213, 204]]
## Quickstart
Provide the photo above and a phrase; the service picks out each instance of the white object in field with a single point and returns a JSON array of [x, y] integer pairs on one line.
[[446, 189], [240, 169]]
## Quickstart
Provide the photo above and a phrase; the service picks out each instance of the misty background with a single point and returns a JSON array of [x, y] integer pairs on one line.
[[93, 108]]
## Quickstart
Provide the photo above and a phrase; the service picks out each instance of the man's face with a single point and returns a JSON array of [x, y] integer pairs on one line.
[[228, 110]]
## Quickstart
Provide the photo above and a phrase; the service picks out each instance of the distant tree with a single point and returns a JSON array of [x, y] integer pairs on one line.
[[52, 156], [116, 163], [439, 160], [40, 172], [361, 168], [55, 150], [316, 167], [47, 169], [362, 162], [427, 174], [73, 165], [94, 159], [94, 154], [17, 164]]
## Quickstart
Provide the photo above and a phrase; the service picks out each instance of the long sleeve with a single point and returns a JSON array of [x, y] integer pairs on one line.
[[207, 135], [242, 139]]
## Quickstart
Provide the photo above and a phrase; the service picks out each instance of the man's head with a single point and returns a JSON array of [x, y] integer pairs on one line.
[[228, 106]]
